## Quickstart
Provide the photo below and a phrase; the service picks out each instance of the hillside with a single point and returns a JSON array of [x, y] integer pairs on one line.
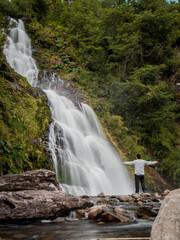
[[125, 55]]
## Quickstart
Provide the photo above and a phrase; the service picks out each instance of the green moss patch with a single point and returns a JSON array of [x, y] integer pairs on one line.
[[24, 121]]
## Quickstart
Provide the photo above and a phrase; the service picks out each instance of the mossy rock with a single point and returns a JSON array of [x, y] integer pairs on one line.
[[24, 124]]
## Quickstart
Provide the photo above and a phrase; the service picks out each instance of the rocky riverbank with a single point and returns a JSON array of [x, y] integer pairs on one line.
[[36, 195], [123, 209]]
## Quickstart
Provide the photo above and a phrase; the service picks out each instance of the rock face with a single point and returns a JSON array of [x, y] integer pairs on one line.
[[35, 195], [167, 224], [31, 180]]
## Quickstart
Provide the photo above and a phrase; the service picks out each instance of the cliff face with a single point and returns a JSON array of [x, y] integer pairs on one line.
[[24, 122]]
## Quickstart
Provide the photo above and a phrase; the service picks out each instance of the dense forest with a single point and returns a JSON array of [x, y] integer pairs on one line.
[[125, 55]]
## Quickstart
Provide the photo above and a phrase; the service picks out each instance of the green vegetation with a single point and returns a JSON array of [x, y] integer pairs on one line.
[[24, 121], [125, 55]]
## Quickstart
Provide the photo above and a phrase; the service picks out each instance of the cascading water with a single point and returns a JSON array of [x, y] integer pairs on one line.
[[84, 161]]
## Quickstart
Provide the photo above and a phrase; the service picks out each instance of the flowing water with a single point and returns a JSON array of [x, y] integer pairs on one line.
[[74, 230], [84, 161]]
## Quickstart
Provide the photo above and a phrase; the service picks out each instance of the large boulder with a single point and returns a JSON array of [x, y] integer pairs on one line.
[[167, 224], [31, 180], [35, 195]]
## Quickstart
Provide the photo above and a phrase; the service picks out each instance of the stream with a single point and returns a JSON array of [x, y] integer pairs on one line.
[[74, 230]]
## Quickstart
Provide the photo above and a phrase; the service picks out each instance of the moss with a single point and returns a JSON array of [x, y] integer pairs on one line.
[[24, 122]]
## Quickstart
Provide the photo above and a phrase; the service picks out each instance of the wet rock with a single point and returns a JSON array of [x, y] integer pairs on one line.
[[101, 194], [80, 213], [35, 195], [112, 217], [124, 212], [113, 201], [58, 220], [101, 223], [166, 192], [124, 198], [146, 212], [96, 211], [156, 195], [155, 200], [167, 224], [85, 196], [145, 195], [140, 203], [38, 93], [135, 195], [146, 199]]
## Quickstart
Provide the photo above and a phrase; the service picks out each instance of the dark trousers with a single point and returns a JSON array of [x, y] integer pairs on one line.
[[139, 178]]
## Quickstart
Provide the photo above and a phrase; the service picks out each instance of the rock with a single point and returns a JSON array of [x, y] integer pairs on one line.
[[155, 200], [145, 195], [146, 199], [124, 212], [156, 195], [135, 195], [35, 195], [58, 220], [80, 213], [113, 196], [96, 211], [111, 217], [31, 180], [101, 194], [85, 196], [140, 203], [166, 192], [124, 198], [167, 224], [99, 223], [146, 212], [112, 201]]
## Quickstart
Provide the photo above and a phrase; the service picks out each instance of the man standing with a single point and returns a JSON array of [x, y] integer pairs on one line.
[[139, 171]]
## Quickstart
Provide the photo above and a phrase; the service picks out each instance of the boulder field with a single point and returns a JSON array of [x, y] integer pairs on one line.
[[36, 195]]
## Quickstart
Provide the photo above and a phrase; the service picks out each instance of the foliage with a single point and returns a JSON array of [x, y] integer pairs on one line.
[[125, 54], [24, 121]]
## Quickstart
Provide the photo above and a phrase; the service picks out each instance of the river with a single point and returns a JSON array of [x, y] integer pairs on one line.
[[74, 230]]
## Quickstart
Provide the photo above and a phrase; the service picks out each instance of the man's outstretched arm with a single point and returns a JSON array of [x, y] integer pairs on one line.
[[151, 163], [128, 163]]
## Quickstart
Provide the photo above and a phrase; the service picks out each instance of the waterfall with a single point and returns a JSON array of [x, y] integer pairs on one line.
[[84, 160]]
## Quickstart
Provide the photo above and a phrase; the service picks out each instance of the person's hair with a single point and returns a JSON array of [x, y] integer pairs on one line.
[[138, 156]]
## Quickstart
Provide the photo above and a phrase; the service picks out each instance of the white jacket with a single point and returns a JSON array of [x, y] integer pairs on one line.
[[139, 165]]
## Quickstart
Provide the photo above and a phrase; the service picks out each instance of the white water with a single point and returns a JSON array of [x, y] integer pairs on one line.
[[83, 159]]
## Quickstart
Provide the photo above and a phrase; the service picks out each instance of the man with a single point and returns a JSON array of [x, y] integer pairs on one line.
[[139, 171]]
